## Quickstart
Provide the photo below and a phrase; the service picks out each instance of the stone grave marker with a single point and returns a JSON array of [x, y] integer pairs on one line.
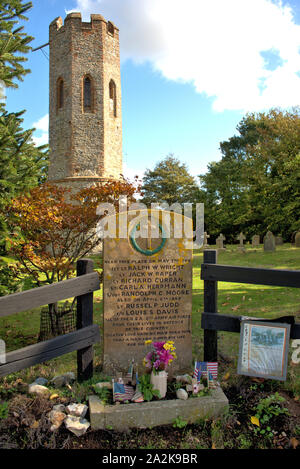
[[147, 291], [241, 238], [255, 240], [278, 240], [269, 242], [219, 242], [205, 242], [297, 240], [293, 237]]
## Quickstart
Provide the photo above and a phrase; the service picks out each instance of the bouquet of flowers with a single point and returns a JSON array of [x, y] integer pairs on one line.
[[161, 355]]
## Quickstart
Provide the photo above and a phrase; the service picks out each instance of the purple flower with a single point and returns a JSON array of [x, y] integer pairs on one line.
[[156, 364], [165, 356], [159, 345], [159, 358], [149, 356]]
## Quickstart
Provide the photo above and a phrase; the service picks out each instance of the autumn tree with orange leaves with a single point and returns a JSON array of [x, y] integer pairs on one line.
[[51, 227]]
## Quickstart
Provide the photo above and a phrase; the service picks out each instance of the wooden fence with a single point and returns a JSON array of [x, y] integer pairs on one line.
[[87, 333], [211, 273], [82, 340]]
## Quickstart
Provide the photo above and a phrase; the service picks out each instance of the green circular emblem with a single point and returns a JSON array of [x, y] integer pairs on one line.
[[148, 251]]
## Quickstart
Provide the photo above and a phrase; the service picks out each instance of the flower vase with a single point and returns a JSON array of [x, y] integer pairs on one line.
[[159, 382]]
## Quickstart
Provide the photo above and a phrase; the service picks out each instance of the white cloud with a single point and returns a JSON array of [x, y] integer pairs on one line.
[[215, 45], [130, 173], [41, 126]]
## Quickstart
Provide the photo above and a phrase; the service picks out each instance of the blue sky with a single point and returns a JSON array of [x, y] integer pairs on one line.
[[190, 71]]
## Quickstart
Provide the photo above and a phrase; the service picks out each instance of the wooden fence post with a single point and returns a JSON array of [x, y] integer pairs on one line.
[[210, 306], [85, 318]]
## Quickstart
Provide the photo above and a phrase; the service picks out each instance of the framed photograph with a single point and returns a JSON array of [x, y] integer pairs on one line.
[[263, 349]]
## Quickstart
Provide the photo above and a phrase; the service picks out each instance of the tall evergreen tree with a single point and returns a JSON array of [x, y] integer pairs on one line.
[[22, 164], [13, 41], [169, 182]]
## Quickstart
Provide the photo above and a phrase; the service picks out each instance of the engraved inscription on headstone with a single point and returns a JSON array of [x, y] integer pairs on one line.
[[147, 292]]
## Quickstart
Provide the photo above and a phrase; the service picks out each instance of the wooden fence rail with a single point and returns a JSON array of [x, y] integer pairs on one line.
[[82, 340], [211, 273]]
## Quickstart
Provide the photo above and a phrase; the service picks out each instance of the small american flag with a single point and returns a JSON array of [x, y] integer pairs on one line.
[[130, 372], [138, 397], [122, 392], [211, 383], [212, 367], [204, 367], [195, 374]]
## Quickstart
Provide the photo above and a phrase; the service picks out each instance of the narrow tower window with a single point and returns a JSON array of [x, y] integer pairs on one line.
[[87, 94], [60, 93], [112, 99], [110, 28]]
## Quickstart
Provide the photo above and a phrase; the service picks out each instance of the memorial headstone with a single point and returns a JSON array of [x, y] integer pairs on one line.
[[241, 238], [205, 241], [297, 240], [219, 242], [255, 240], [147, 291], [293, 238], [269, 242], [278, 240]]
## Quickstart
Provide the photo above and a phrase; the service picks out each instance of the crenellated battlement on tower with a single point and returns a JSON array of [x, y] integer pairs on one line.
[[74, 19]]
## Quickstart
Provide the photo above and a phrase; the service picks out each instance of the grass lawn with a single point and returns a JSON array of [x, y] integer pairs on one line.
[[242, 299], [22, 329]]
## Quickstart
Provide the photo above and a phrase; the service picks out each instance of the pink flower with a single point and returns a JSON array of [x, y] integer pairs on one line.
[[158, 345], [159, 358], [156, 364], [149, 356], [165, 356]]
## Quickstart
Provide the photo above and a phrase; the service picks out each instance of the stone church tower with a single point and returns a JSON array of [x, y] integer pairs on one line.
[[85, 123]]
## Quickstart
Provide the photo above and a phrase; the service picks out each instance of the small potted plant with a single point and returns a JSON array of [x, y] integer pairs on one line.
[[156, 361]]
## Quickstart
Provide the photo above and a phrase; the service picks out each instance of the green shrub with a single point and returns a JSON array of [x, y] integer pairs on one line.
[[146, 388], [267, 410], [104, 394], [8, 282], [4, 410], [179, 422]]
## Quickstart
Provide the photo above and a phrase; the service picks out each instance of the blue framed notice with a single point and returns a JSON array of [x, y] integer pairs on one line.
[[263, 349]]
